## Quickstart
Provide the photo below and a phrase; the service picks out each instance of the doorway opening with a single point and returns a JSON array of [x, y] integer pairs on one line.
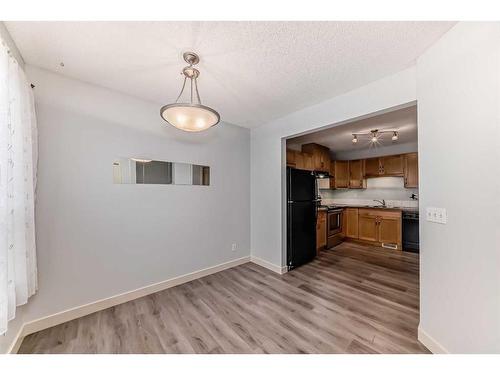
[[362, 237]]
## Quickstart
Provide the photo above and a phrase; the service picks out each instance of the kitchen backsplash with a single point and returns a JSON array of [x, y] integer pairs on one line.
[[389, 188]]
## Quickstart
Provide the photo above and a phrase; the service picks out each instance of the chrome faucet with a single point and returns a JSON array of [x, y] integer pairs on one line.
[[382, 202]]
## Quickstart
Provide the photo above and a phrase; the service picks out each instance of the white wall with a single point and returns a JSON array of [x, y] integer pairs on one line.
[[268, 159], [4, 33], [458, 84], [96, 239]]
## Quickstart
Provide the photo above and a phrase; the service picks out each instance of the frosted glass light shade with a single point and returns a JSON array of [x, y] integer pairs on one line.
[[189, 117]]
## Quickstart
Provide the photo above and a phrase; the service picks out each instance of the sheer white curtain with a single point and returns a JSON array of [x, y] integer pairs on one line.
[[18, 158]]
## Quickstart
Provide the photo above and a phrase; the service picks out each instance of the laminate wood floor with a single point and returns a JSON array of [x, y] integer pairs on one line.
[[353, 299]]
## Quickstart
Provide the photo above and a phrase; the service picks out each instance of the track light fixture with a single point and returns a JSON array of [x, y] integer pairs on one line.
[[375, 135]]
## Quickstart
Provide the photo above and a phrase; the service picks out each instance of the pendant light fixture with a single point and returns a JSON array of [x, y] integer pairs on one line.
[[190, 116]]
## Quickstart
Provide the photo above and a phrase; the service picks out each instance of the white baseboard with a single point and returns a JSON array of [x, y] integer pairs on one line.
[[16, 343], [270, 266], [430, 343], [77, 312]]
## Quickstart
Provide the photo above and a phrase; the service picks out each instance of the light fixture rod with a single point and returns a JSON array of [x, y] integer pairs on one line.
[[191, 89], [197, 92], [182, 90]]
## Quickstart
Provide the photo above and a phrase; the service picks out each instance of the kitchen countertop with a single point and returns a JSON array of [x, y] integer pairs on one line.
[[406, 209]]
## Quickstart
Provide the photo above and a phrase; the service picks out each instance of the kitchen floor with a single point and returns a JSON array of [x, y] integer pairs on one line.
[[353, 299]]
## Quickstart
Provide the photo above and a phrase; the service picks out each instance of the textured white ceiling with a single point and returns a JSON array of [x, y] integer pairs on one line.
[[339, 138], [251, 72]]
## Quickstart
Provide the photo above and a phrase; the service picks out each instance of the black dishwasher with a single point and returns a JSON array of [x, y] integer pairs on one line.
[[410, 231]]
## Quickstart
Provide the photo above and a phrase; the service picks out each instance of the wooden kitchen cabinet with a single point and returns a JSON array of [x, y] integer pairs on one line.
[[392, 165], [299, 160], [372, 167], [308, 162], [352, 174], [356, 174], [389, 230], [320, 156], [332, 174], [321, 230], [367, 223], [380, 226], [341, 173], [290, 158], [411, 170], [351, 222]]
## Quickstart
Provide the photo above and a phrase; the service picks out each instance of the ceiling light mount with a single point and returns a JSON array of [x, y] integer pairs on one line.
[[191, 58], [190, 116]]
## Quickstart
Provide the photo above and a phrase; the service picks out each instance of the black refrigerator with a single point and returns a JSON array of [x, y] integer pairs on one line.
[[301, 216]]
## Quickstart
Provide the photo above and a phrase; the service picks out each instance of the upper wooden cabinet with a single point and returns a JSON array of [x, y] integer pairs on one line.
[[411, 170], [332, 175], [320, 156], [341, 174], [372, 167], [290, 158], [392, 165], [308, 162], [352, 174], [356, 174], [299, 160]]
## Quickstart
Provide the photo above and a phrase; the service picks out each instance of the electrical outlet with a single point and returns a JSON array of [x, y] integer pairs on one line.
[[436, 215], [233, 247]]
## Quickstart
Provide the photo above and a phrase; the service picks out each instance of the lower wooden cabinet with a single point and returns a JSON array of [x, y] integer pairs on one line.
[[380, 226], [321, 231], [389, 230], [367, 224], [351, 222]]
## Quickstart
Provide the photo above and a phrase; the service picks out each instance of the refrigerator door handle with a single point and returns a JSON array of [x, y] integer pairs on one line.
[[316, 204], [289, 236]]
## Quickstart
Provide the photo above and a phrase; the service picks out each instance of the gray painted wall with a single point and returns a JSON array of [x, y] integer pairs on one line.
[[96, 239], [459, 128]]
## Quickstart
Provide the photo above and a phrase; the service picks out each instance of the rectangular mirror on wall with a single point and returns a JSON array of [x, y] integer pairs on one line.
[[146, 171]]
